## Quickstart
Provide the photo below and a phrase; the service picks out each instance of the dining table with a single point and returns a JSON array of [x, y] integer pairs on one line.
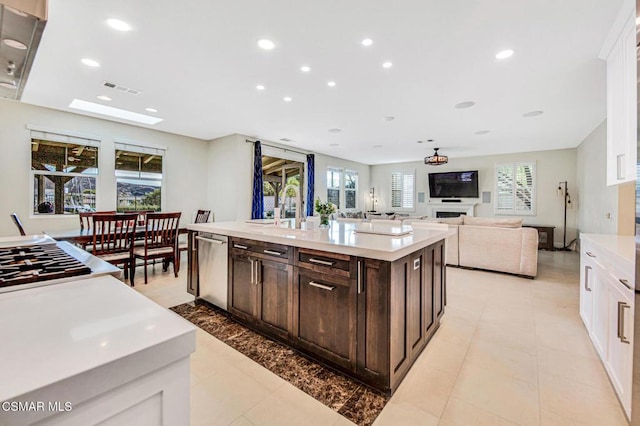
[[84, 236]]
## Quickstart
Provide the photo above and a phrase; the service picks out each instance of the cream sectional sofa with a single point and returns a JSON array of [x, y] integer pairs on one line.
[[488, 243]]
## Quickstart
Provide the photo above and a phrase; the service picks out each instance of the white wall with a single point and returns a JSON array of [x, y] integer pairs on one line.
[[551, 168], [597, 200], [230, 176], [185, 165]]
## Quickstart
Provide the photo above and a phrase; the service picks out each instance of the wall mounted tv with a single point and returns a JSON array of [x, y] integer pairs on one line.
[[454, 184]]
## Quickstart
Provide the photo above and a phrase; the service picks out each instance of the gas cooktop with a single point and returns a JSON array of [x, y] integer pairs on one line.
[[34, 263]]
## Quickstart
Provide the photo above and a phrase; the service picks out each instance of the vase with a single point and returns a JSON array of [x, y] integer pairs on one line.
[[324, 221]]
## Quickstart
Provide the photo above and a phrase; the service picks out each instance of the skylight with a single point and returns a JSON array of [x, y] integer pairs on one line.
[[113, 112]]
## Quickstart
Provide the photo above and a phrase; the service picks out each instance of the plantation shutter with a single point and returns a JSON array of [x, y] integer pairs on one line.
[[403, 190], [515, 189]]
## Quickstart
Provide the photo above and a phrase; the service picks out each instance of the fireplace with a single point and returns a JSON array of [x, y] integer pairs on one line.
[[439, 209], [449, 214]]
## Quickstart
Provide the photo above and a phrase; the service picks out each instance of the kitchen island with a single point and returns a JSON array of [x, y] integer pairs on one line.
[[92, 351], [362, 298]]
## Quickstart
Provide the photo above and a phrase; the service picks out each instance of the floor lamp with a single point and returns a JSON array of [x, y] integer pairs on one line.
[[563, 191]]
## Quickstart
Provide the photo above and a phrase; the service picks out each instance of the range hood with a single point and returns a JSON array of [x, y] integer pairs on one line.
[[21, 25]]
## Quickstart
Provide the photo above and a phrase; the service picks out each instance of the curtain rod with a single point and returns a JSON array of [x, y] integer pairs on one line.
[[278, 147]]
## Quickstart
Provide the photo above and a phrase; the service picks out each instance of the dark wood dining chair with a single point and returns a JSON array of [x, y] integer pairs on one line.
[[86, 218], [202, 216], [112, 241], [16, 220], [160, 241]]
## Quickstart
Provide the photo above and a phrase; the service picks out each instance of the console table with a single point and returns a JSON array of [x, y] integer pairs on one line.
[[545, 236]]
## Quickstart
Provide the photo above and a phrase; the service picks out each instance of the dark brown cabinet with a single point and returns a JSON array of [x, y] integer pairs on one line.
[[326, 316], [369, 318], [260, 287]]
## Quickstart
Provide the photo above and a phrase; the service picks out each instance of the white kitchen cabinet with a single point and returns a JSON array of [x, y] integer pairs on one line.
[[586, 287], [620, 351], [619, 51], [600, 324], [607, 265]]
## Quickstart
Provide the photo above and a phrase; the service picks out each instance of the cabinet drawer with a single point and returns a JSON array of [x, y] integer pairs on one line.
[[324, 262], [262, 249]]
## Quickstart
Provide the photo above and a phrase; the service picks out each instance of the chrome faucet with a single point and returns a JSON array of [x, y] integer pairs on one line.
[[298, 219]]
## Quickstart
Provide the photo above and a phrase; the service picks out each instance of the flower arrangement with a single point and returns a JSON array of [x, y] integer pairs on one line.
[[324, 208]]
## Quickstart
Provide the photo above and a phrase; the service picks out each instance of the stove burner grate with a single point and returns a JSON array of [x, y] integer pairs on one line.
[[28, 264]]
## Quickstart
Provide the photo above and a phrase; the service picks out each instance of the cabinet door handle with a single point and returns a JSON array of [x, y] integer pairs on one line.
[[273, 252], [620, 166], [587, 268], [258, 272], [252, 280], [240, 246], [416, 263], [590, 254], [621, 336], [321, 262], [625, 283], [322, 286], [359, 276]]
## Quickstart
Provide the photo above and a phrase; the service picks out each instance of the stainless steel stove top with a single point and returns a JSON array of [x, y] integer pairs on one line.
[[39, 260]]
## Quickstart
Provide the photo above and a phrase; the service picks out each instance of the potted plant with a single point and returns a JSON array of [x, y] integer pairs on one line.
[[324, 210]]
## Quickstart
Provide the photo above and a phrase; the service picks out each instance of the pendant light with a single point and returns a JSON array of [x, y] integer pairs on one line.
[[436, 159]]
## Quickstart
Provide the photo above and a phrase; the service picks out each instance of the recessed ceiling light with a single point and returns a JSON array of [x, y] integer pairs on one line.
[[389, 118], [119, 25], [482, 132], [331, 84], [367, 42], [15, 44], [335, 130], [113, 112], [266, 44], [387, 64], [151, 109], [532, 114], [376, 146], [103, 98], [260, 87], [504, 54], [286, 140], [419, 141], [90, 62], [7, 85], [334, 144], [305, 68], [466, 104], [287, 99], [430, 140]]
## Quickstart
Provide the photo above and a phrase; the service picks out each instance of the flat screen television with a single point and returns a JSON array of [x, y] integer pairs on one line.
[[454, 184]]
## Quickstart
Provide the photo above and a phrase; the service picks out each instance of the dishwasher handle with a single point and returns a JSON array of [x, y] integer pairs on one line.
[[210, 240]]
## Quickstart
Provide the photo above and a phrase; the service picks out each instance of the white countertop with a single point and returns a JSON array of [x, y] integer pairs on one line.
[[339, 238], [619, 245], [51, 333]]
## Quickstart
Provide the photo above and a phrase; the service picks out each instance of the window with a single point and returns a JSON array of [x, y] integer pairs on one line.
[[138, 178], [350, 189], [64, 172], [403, 190], [515, 189], [334, 176], [342, 188]]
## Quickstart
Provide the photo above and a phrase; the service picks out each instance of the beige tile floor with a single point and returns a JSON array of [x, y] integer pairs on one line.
[[509, 351]]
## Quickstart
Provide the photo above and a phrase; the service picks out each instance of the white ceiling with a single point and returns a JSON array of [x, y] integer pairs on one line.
[[198, 63]]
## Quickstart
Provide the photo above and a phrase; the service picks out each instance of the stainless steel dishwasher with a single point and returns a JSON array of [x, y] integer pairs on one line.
[[212, 268]]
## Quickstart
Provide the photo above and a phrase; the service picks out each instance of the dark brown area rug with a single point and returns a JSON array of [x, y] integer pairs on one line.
[[351, 399]]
